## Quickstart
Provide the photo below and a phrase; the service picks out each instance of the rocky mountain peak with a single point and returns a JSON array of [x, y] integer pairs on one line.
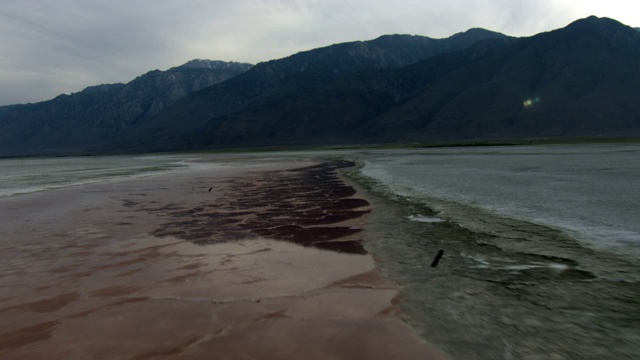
[[596, 32], [215, 64]]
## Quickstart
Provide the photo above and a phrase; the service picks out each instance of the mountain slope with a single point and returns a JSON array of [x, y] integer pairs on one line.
[[280, 81], [339, 112], [579, 81], [91, 118]]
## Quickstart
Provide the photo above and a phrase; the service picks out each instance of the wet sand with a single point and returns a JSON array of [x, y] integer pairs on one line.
[[238, 262]]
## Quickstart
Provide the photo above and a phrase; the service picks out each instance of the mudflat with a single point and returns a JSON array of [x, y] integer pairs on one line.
[[253, 261]]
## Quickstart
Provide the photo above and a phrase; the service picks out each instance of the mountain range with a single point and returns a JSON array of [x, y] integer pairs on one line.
[[575, 82]]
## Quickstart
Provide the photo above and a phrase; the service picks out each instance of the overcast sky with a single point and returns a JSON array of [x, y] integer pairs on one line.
[[50, 47]]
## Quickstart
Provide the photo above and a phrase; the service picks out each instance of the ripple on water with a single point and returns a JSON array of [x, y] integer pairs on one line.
[[503, 285]]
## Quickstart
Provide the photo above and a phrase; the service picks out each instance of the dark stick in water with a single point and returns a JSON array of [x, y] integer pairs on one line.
[[437, 259]]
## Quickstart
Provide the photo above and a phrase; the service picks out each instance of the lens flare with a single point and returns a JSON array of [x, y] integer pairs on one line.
[[531, 101]]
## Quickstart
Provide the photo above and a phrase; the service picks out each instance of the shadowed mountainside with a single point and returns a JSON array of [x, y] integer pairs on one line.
[[578, 81], [278, 83], [93, 117], [136, 116]]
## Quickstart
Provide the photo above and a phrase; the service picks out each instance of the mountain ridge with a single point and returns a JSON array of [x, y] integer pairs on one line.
[[79, 121], [478, 85], [556, 81], [289, 78], [579, 81]]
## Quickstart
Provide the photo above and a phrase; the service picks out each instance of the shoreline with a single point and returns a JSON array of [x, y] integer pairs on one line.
[[198, 264]]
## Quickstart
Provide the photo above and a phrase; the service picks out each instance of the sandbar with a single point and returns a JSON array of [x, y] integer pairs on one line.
[[253, 261]]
